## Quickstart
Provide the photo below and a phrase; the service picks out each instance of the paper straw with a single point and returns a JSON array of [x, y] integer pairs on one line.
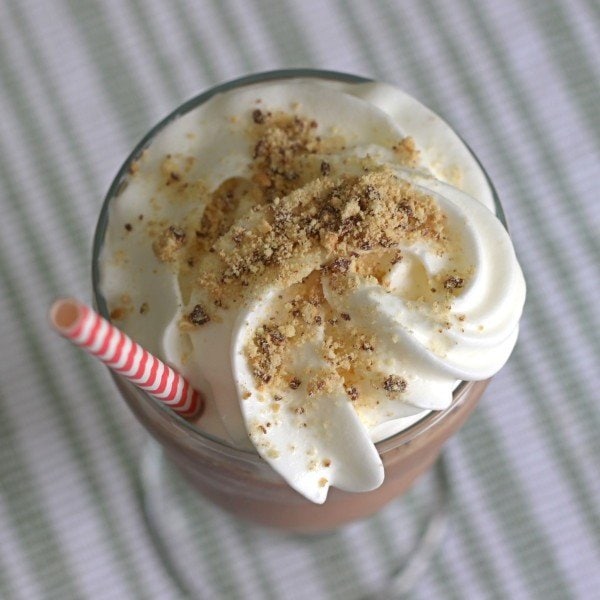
[[88, 330]]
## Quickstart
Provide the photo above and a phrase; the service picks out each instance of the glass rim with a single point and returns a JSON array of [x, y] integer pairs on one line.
[[428, 420]]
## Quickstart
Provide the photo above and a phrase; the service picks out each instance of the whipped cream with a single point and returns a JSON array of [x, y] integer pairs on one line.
[[322, 261]]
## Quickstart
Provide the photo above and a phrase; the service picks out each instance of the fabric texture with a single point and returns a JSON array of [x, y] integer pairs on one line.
[[82, 82]]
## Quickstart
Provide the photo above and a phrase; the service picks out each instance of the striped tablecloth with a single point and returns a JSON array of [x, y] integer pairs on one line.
[[82, 81]]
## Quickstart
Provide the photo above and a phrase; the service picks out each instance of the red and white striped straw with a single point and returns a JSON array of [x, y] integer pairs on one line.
[[88, 330]]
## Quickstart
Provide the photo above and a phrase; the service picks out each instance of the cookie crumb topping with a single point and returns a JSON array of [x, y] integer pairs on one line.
[[298, 220]]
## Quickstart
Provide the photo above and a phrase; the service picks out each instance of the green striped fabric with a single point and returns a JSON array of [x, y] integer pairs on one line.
[[81, 82]]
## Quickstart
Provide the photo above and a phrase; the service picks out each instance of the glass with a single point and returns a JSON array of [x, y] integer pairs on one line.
[[240, 481], [184, 460]]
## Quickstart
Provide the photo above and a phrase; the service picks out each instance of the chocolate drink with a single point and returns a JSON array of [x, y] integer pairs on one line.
[[319, 256]]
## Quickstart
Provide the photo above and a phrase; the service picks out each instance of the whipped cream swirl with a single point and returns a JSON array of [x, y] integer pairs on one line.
[[335, 302]]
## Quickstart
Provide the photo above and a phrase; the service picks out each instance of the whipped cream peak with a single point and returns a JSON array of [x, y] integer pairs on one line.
[[322, 260]]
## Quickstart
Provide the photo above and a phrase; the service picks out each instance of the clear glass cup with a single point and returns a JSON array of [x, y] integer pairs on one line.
[[239, 481]]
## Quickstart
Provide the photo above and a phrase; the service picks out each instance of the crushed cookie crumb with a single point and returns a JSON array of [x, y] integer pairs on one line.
[[407, 152], [397, 258], [258, 117], [352, 393], [339, 265], [277, 337], [198, 315], [452, 283], [394, 384], [169, 243], [177, 233]]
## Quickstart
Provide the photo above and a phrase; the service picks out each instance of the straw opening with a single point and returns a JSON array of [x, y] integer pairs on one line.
[[65, 314]]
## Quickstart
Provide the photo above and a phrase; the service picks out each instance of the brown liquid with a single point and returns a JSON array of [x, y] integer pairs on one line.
[[246, 486]]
